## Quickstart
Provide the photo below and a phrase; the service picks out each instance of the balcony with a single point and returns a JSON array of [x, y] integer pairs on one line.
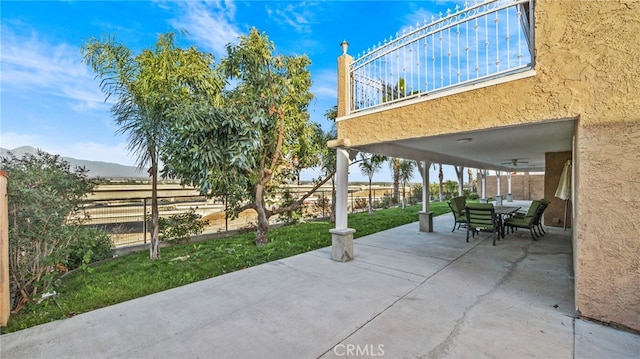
[[481, 43]]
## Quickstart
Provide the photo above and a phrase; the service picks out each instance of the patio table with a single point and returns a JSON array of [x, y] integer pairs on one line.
[[501, 213]]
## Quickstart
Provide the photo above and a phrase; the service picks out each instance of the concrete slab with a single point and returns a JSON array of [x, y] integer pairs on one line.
[[594, 341], [407, 294]]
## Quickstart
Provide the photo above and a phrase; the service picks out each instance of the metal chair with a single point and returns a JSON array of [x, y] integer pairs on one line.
[[482, 217], [457, 205]]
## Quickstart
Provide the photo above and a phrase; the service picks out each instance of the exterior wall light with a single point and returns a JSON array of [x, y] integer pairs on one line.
[[345, 46]]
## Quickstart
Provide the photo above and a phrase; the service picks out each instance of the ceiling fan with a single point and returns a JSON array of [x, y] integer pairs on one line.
[[515, 161]]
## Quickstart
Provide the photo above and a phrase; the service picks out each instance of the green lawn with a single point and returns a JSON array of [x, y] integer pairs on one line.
[[135, 275]]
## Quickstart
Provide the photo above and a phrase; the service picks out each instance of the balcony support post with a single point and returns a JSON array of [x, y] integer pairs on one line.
[[341, 235], [426, 216]]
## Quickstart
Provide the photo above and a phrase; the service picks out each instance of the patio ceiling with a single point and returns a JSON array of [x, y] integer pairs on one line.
[[512, 148]]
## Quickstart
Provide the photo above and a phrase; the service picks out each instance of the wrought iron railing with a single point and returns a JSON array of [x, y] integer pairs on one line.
[[478, 42]]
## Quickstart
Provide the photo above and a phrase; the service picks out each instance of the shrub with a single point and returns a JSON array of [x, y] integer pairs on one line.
[[290, 217], [323, 205], [386, 201], [89, 245], [44, 196], [180, 227], [471, 195], [360, 204]]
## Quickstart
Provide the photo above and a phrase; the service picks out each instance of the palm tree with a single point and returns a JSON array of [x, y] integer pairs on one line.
[[405, 169], [149, 88], [369, 165]]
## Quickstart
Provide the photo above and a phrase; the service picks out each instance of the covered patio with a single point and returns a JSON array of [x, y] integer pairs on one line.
[[566, 100]]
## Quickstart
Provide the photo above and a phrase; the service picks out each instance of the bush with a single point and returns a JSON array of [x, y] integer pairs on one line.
[[89, 245], [180, 227], [290, 217], [323, 205], [387, 201], [360, 204], [44, 196], [471, 195], [416, 194]]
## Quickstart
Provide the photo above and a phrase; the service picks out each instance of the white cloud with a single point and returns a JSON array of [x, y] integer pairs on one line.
[[298, 15], [209, 23], [114, 153], [32, 65]]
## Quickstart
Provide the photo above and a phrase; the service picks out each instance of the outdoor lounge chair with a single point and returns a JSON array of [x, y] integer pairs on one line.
[[457, 205], [482, 217], [527, 221]]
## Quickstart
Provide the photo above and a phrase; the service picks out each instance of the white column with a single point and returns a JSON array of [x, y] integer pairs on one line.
[[509, 195], [498, 195], [425, 186], [425, 217], [483, 175], [342, 187], [341, 235]]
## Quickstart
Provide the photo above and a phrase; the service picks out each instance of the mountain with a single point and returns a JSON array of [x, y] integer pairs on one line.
[[96, 168]]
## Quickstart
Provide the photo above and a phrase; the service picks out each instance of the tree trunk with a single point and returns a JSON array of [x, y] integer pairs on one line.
[[370, 201], [154, 250], [404, 198], [395, 164], [441, 180], [263, 217]]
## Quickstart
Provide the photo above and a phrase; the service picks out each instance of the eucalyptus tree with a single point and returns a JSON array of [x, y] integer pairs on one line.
[[149, 90], [405, 169], [369, 165], [245, 147]]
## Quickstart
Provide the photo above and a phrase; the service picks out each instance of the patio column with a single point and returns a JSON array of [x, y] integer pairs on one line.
[[483, 177], [425, 217], [509, 195], [460, 174], [498, 195], [341, 235]]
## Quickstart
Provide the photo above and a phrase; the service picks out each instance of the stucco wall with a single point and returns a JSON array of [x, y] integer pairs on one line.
[[587, 61], [607, 225]]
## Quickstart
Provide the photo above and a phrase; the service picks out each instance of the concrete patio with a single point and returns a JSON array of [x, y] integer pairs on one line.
[[406, 295]]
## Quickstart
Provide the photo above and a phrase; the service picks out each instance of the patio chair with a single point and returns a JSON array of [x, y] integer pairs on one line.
[[482, 217], [457, 205], [537, 221], [526, 221]]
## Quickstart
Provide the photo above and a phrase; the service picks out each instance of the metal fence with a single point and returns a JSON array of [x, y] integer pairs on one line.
[[124, 218], [477, 42]]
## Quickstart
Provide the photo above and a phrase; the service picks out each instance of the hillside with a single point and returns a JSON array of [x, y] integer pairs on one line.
[[96, 168]]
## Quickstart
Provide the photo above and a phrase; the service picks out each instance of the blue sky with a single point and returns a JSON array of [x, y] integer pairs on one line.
[[50, 99]]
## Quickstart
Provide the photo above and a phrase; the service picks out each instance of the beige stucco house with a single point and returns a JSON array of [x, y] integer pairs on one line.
[[516, 86]]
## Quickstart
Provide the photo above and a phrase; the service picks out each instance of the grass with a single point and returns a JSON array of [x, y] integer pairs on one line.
[[135, 275]]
